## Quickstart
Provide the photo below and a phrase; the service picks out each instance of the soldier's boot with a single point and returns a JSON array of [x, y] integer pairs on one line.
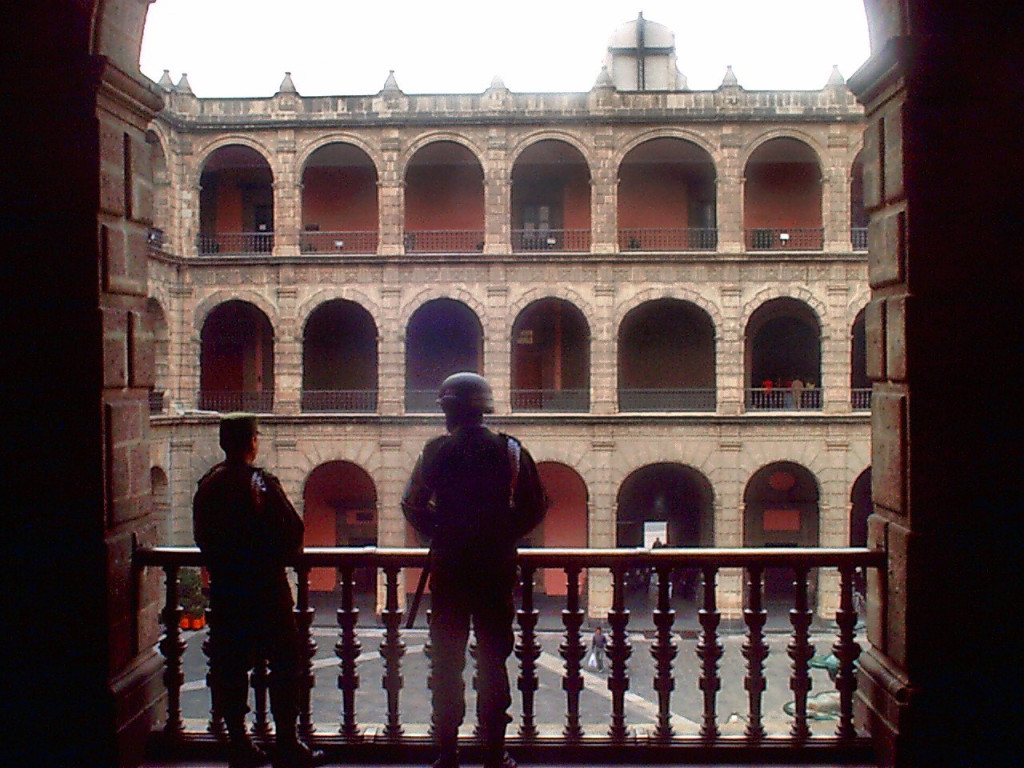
[[242, 752], [448, 752], [497, 757], [291, 752]]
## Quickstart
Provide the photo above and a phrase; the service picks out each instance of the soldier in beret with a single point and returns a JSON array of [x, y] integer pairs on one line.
[[248, 530]]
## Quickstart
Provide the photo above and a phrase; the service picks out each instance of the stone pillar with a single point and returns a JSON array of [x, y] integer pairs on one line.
[[604, 189], [835, 351], [391, 198], [180, 393], [835, 194], [287, 196], [603, 366], [287, 346], [729, 520], [729, 194], [601, 528], [391, 351], [497, 195], [729, 368], [182, 487], [497, 347]]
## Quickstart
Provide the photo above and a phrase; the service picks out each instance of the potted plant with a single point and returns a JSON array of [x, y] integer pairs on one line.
[[193, 599]]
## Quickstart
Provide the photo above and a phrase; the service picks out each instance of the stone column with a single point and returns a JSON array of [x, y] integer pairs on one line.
[[601, 528], [497, 195], [391, 198], [497, 347], [391, 351], [835, 351], [287, 346], [604, 195], [729, 194], [835, 195], [287, 197], [729, 368], [603, 367], [728, 508]]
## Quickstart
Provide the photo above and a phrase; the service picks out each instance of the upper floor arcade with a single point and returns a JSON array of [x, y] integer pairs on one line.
[[511, 174]]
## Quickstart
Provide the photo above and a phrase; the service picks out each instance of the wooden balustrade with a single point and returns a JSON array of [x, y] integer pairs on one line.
[[707, 728]]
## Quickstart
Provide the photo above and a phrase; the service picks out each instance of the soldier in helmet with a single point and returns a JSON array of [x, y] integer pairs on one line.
[[474, 493], [247, 530]]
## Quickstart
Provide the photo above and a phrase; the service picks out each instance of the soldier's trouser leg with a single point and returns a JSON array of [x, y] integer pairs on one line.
[[492, 624], [230, 660], [282, 652], [449, 633]]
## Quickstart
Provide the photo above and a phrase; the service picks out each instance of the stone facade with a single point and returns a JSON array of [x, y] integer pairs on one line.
[[604, 445]]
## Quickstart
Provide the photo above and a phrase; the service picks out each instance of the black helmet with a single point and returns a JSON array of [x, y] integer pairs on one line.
[[465, 392]]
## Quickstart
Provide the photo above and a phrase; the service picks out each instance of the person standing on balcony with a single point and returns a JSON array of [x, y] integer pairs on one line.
[[248, 530], [474, 493]]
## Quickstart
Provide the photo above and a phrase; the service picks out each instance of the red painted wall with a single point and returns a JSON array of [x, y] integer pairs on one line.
[[577, 200], [565, 524], [340, 199], [782, 195], [444, 197], [229, 206], [653, 196]]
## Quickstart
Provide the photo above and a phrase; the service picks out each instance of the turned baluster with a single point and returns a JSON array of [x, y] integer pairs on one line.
[[755, 651], [619, 652], [709, 651], [172, 646], [259, 680], [572, 650], [216, 724], [847, 651], [392, 649], [347, 650], [527, 651], [664, 651], [800, 651], [307, 679]]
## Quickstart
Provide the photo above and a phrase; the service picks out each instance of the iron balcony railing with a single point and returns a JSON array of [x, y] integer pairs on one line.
[[347, 400], [783, 399], [444, 241], [553, 400], [256, 402], [338, 242], [680, 399], [859, 238], [524, 240], [860, 398], [681, 715], [236, 243], [785, 238], [668, 239]]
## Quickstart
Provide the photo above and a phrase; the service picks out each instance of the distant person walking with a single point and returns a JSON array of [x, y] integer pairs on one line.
[[597, 647]]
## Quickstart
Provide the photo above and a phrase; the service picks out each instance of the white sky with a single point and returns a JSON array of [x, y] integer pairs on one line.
[[244, 47]]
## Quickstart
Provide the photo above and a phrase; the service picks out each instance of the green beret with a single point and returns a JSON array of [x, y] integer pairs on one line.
[[236, 430]]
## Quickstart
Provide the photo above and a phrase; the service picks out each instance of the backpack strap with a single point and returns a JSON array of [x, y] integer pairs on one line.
[[515, 452]]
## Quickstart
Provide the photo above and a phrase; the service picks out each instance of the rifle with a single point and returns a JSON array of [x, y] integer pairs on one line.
[[420, 587]]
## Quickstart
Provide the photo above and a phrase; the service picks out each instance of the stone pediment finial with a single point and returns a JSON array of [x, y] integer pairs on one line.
[[183, 85], [165, 81], [836, 78], [391, 84], [730, 78], [604, 79], [287, 86]]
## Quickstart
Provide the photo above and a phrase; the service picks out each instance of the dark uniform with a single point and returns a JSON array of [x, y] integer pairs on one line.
[[247, 530], [474, 494]]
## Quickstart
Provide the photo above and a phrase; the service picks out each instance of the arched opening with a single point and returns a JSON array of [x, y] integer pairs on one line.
[[858, 211], [666, 198], [664, 505], [860, 384], [236, 203], [340, 510], [160, 505], [156, 324], [339, 359], [551, 199], [444, 200], [161, 228], [667, 358], [782, 197], [861, 508], [783, 357], [237, 359], [780, 509], [550, 358], [564, 525], [443, 337], [339, 201]]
